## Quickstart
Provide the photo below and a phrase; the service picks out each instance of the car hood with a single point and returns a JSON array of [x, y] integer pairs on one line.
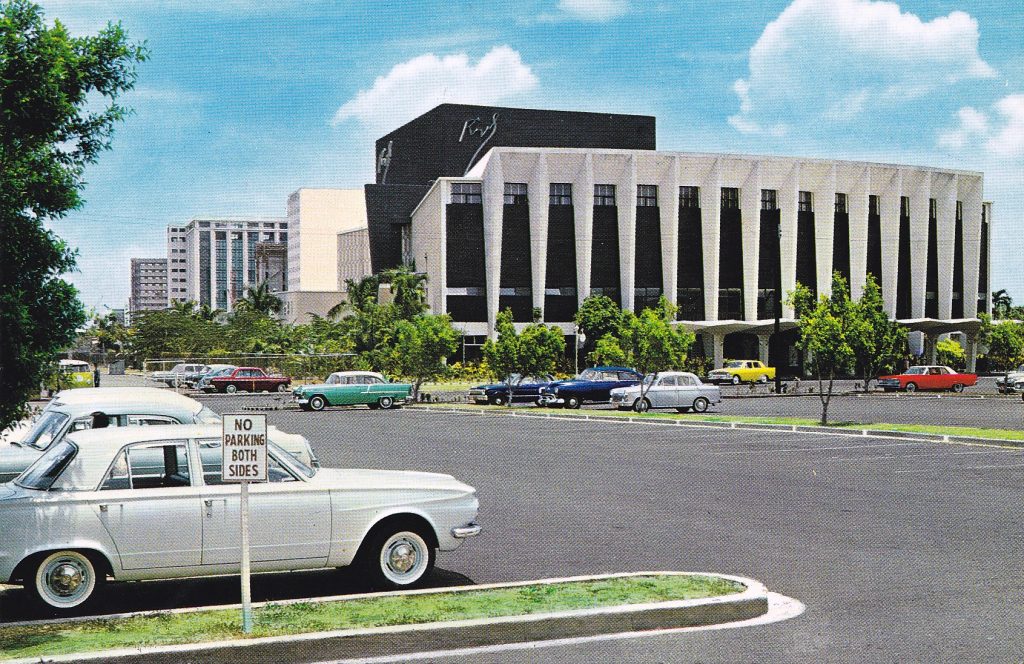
[[15, 457], [1013, 376], [11, 491], [318, 386], [366, 478]]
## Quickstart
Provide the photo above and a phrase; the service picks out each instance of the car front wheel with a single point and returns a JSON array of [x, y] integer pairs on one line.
[[572, 402], [911, 387], [230, 389], [397, 557], [735, 379], [65, 579], [700, 404], [498, 400], [317, 403], [385, 402], [641, 405]]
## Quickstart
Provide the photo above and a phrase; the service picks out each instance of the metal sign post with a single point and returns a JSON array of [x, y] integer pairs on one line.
[[244, 450]]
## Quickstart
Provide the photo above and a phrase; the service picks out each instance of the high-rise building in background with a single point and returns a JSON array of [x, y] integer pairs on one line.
[[221, 256], [149, 285], [177, 281], [272, 265]]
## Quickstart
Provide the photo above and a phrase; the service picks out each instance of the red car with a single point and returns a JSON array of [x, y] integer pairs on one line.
[[250, 379], [933, 377]]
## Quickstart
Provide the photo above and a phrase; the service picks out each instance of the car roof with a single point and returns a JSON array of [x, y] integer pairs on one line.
[[357, 373], [123, 399], [611, 368]]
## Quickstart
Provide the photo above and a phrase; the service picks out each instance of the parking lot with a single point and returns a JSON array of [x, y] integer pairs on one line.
[[901, 550]]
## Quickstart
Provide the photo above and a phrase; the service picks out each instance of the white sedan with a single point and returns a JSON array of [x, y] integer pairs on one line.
[[667, 389], [148, 503]]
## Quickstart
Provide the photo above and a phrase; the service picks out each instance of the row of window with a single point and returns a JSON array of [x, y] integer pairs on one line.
[[268, 224], [560, 193]]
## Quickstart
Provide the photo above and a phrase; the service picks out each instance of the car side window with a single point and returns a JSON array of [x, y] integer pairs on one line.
[[686, 381], [934, 371], [150, 466], [212, 460], [668, 381], [149, 420]]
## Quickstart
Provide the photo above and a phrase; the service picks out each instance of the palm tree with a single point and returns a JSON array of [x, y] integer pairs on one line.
[[1001, 303], [260, 300], [187, 307]]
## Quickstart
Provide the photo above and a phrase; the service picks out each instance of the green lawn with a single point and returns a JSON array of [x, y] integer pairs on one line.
[[273, 620], [941, 430]]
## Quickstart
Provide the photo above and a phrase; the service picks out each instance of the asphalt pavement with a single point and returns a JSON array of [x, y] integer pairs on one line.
[[901, 550]]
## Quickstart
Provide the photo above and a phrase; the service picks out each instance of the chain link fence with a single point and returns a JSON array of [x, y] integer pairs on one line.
[[300, 367]]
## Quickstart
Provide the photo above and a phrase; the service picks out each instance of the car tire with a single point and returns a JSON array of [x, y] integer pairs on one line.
[[317, 402], [958, 387], [64, 580], [386, 402], [498, 400], [911, 387], [397, 557], [282, 388], [763, 379], [230, 389], [641, 405], [700, 405], [537, 403], [572, 402], [735, 379]]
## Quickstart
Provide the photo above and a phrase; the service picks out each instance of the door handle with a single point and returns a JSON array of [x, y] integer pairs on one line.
[[209, 507], [104, 508]]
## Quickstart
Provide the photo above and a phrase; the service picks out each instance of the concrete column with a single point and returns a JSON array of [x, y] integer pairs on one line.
[[920, 192], [750, 214], [857, 202], [930, 353], [762, 347], [494, 206], [711, 228], [230, 276], [971, 347], [970, 196], [539, 193], [891, 185], [718, 341], [944, 190], [583, 213], [824, 206], [788, 209], [668, 210], [625, 202]]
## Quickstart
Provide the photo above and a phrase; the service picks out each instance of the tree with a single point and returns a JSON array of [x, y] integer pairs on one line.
[[260, 300], [1001, 303], [422, 346], [951, 354], [878, 342], [535, 351], [826, 327], [597, 316], [58, 103], [1005, 345]]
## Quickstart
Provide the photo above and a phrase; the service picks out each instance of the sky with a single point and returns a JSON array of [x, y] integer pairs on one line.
[[243, 102]]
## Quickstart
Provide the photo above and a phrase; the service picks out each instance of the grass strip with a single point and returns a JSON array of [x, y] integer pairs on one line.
[[933, 429], [275, 620]]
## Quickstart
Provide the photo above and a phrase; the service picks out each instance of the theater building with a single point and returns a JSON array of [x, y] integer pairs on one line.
[[568, 205]]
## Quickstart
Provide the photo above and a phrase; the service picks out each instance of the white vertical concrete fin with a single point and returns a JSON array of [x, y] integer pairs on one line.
[[750, 218], [857, 205], [493, 207], [823, 201], [971, 195], [920, 195], [444, 192], [944, 190], [711, 226], [788, 213], [538, 192], [889, 212], [668, 209], [583, 218], [625, 201]]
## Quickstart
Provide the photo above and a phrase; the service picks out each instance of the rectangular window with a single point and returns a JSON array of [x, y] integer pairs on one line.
[[904, 206], [933, 209], [604, 195], [689, 197], [515, 193], [560, 193], [805, 202], [730, 198], [647, 195], [769, 199], [872, 204], [959, 210], [840, 203], [469, 193]]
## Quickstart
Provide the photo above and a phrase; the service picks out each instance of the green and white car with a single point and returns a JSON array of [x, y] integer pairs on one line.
[[351, 388]]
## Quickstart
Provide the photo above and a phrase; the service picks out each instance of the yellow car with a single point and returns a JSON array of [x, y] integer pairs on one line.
[[742, 371], [71, 374]]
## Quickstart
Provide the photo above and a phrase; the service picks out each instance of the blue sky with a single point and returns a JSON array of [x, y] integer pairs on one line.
[[243, 102]]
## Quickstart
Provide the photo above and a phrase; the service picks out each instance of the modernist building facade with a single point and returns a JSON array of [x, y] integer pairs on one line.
[[220, 256], [148, 285], [177, 264]]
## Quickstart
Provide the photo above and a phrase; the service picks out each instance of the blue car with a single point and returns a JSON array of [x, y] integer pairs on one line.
[[525, 389], [593, 385]]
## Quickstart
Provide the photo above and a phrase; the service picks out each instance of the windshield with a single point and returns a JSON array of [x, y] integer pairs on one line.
[[333, 379], [733, 365], [915, 370], [649, 378], [281, 454], [47, 468], [72, 368], [178, 368], [206, 416], [590, 374], [44, 429]]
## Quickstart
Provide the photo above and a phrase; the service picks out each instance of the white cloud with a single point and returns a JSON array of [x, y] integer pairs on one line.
[[833, 60], [594, 10], [415, 86], [1000, 132]]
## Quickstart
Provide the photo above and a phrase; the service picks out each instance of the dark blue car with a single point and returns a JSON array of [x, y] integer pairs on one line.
[[592, 385], [524, 390]]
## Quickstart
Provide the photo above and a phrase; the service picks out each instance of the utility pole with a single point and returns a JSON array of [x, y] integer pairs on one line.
[[776, 337]]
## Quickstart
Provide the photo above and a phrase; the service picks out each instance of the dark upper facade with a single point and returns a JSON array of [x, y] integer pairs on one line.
[[447, 140]]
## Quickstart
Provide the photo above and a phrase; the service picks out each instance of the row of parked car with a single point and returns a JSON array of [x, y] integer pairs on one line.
[[125, 484]]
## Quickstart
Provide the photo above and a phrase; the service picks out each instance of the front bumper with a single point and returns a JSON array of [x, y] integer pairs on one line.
[[468, 530], [550, 400]]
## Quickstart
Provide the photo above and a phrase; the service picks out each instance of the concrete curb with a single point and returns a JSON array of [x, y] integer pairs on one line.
[[396, 640], [750, 426]]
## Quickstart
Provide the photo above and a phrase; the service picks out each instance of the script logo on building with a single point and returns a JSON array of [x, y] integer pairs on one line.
[[476, 127]]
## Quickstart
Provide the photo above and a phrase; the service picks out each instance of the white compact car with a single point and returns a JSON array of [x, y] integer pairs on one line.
[[667, 389], [148, 503], [71, 410]]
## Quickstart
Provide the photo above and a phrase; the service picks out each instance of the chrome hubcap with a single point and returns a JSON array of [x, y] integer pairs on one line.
[[65, 579], [402, 557]]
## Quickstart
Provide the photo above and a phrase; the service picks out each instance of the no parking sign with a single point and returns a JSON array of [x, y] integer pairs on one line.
[[244, 448]]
